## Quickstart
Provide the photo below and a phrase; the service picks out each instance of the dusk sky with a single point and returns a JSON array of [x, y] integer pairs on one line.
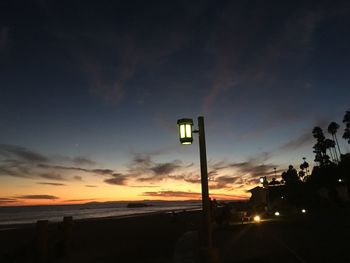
[[90, 92]]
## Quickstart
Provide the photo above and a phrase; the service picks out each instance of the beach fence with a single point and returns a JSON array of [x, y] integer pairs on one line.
[[58, 244], [42, 240], [67, 230]]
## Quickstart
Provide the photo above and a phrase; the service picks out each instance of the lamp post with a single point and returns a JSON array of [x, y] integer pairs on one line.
[[185, 133], [265, 183], [262, 179]]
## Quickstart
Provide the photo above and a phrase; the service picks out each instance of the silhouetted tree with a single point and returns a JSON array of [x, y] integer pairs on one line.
[[304, 166], [346, 120], [320, 148], [332, 129], [344, 169], [291, 176], [304, 172], [330, 144]]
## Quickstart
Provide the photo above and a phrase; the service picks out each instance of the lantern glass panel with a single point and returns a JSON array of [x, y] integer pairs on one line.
[[188, 131], [182, 131]]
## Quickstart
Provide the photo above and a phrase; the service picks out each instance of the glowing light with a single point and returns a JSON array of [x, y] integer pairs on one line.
[[185, 130], [182, 131], [303, 211], [257, 218], [188, 130], [277, 213], [340, 180]]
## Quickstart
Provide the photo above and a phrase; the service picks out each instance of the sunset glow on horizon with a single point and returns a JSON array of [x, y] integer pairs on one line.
[[144, 179]]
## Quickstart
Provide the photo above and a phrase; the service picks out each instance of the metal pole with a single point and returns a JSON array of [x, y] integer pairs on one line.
[[207, 235]]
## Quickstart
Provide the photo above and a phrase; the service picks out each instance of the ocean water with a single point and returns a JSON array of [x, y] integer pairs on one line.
[[55, 213]]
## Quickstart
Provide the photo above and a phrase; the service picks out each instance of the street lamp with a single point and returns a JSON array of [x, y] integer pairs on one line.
[[265, 183], [185, 130], [185, 134]]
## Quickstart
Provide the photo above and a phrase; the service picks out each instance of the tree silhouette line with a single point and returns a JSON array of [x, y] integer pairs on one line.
[[331, 174]]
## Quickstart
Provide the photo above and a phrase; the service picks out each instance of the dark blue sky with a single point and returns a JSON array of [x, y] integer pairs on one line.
[[107, 81]]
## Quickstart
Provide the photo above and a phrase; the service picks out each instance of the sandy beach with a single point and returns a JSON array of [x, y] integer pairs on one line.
[[146, 238], [319, 236]]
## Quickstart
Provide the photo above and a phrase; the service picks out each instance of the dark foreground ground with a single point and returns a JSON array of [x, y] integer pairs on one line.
[[320, 237], [315, 237]]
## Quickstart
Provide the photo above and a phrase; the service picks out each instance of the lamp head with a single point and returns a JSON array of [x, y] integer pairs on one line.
[[185, 130]]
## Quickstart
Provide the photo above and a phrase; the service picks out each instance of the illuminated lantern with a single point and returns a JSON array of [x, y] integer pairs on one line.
[[185, 130]]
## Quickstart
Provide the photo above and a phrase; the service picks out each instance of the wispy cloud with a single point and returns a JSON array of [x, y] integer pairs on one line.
[[43, 197], [299, 142], [53, 184], [165, 168], [142, 170], [78, 178], [73, 168], [187, 177], [20, 153], [117, 57], [253, 169], [144, 186], [223, 175], [244, 60], [52, 176], [18, 161], [83, 161], [117, 179], [223, 182], [79, 200]]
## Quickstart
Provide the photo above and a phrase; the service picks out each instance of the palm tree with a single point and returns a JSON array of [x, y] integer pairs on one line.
[[332, 129], [320, 148], [318, 133], [330, 144], [346, 120]]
